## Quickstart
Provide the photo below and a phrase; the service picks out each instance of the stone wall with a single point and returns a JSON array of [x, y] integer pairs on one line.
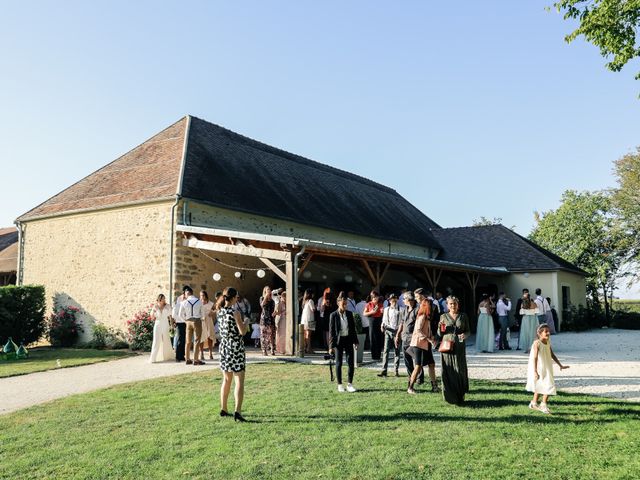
[[110, 263]]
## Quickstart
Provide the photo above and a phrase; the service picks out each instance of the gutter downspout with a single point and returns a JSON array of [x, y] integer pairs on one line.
[[296, 304], [19, 275], [171, 248], [187, 128]]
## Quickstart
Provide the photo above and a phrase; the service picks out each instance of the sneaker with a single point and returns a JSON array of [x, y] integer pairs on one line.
[[544, 408], [341, 388], [411, 391], [533, 406], [350, 388]]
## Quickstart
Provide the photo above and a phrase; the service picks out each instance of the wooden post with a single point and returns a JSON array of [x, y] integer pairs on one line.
[[292, 294]]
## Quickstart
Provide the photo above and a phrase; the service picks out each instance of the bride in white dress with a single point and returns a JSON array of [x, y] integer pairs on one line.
[[161, 349]]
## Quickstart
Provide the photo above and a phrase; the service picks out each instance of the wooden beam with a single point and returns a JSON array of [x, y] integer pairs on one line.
[[430, 278], [384, 272], [305, 264], [237, 249], [274, 268], [369, 271]]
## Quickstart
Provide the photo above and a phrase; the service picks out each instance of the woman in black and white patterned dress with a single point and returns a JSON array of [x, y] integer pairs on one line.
[[232, 357]]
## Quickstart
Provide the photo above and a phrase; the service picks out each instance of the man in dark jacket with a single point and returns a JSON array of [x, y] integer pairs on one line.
[[343, 339], [405, 331]]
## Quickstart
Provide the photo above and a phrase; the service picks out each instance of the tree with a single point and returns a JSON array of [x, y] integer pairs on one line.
[[626, 199], [584, 231], [484, 221], [610, 25]]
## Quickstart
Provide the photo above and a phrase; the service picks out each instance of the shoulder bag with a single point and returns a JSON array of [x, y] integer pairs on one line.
[[447, 346]]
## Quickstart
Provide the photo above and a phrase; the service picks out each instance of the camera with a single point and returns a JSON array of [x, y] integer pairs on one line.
[[330, 357]]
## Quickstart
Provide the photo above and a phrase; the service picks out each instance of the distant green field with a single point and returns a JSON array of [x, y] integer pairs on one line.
[[628, 305]]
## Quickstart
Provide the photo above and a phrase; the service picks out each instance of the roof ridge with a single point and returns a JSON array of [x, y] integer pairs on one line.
[[259, 145], [100, 169]]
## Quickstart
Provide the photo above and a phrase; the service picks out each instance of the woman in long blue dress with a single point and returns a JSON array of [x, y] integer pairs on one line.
[[529, 325], [485, 334]]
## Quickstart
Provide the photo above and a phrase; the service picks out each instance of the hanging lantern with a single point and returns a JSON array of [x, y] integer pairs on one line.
[[217, 277], [348, 278], [405, 284], [324, 277], [237, 274], [261, 273], [306, 274]]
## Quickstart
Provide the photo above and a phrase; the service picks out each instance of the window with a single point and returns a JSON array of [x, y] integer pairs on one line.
[[566, 298]]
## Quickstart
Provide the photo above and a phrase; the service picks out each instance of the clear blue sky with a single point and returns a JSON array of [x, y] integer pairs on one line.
[[466, 108]]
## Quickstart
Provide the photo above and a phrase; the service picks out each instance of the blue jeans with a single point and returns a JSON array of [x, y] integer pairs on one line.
[[542, 319], [504, 324]]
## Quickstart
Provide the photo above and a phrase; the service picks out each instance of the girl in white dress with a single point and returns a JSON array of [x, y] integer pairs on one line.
[[208, 332], [308, 319], [540, 379], [161, 349]]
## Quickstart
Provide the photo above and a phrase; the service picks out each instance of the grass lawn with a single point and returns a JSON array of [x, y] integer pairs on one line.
[[46, 358], [302, 428]]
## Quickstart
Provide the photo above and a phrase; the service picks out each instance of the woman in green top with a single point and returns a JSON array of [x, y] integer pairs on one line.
[[454, 326]]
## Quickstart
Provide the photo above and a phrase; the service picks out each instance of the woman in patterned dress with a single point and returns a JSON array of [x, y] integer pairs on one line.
[[232, 357], [267, 322]]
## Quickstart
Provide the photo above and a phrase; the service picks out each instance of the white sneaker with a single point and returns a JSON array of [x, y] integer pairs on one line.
[[533, 406], [544, 408], [350, 388], [340, 388]]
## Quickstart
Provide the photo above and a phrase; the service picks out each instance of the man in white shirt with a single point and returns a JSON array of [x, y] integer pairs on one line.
[[351, 302], [360, 306], [191, 313], [390, 324], [543, 306], [503, 307], [181, 327]]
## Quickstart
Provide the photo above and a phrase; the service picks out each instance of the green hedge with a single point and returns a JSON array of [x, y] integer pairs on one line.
[[22, 313], [626, 319]]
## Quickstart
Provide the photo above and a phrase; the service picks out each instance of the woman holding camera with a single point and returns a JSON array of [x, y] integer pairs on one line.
[[343, 339]]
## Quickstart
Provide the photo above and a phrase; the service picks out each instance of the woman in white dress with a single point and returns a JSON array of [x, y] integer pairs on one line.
[[540, 379], [161, 349], [308, 319], [281, 324], [529, 325], [485, 334], [208, 333]]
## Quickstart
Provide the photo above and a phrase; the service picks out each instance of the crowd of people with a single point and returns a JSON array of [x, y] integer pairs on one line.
[[409, 326]]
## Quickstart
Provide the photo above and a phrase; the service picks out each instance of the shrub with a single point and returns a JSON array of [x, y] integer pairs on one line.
[[140, 330], [63, 326], [107, 337], [626, 319], [22, 313], [580, 318]]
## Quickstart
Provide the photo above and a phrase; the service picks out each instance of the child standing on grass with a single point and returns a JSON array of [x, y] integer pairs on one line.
[[540, 379], [255, 334]]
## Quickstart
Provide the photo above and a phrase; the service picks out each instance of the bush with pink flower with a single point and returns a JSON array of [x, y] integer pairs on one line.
[[63, 325], [140, 330]]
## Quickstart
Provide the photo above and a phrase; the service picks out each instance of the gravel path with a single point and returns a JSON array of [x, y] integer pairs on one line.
[[603, 362]]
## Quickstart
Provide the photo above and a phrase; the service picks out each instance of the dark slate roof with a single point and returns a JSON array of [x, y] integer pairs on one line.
[[8, 236], [148, 172], [498, 246], [225, 169]]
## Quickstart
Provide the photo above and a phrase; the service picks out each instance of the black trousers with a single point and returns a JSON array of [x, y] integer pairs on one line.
[[181, 332], [375, 324], [347, 348], [408, 362]]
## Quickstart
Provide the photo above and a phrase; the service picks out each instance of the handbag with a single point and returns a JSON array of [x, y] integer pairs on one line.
[[447, 346]]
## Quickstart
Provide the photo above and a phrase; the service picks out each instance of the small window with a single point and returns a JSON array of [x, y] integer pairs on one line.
[[566, 298]]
